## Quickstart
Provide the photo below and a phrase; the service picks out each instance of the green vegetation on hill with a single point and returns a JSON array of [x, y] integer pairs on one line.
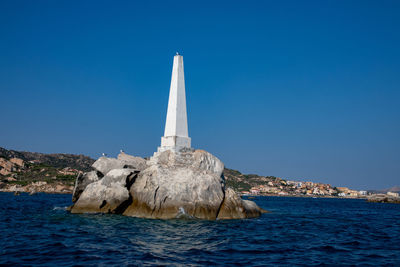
[[38, 167], [22, 168], [243, 182], [79, 162]]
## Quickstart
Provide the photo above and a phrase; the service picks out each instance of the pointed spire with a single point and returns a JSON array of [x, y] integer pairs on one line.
[[176, 128]]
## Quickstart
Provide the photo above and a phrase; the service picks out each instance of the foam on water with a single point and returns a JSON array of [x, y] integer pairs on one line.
[[60, 208]]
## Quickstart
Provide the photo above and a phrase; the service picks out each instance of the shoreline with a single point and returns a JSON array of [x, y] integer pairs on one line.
[[39, 187], [60, 188], [372, 199], [305, 196], [66, 192]]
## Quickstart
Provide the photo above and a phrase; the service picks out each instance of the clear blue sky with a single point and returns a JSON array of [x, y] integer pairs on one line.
[[306, 90]]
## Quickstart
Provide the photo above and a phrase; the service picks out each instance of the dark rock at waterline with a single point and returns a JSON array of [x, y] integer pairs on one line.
[[234, 207], [383, 198]]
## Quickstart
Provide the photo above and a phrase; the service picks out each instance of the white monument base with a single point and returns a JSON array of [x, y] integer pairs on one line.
[[175, 143]]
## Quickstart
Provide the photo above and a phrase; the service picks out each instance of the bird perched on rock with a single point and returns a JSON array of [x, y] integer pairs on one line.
[[103, 154], [121, 151]]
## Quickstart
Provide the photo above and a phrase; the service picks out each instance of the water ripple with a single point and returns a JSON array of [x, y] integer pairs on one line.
[[37, 230]]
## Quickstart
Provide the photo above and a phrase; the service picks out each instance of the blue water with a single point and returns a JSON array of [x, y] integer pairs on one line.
[[37, 230]]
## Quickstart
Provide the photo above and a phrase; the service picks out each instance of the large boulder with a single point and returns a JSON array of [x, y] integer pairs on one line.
[[179, 184], [105, 164], [132, 161], [234, 207], [6, 167], [18, 162], [107, 195], [82, 181]]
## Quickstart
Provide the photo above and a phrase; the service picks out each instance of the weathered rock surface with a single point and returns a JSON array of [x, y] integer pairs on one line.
[[189, 183], [383, 198], [82, 181], [234, 207], [105, 164], [18, 162], [105, 195], [6, 167], [132, 161]]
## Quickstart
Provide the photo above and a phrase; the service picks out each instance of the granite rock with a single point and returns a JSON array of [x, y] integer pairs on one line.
[[107, 195], [179, 184], [171, 184], [105, 164], [82, 181], [132, 161], [234, 207]]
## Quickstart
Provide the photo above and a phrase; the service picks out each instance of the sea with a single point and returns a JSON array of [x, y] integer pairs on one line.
[[37, 230]]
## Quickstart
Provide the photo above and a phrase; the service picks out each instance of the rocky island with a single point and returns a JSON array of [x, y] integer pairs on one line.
[[169, 185], [177, 181]]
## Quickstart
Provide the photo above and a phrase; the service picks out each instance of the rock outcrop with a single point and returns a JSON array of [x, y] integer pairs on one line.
[[8, 166], [383, 198], [133, 162], [105, 195], [189, 184], [82, 181], [179, 184], [105, 164], [234, 207]]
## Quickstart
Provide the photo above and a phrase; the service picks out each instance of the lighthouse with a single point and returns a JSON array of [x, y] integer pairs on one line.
[[176, 134]]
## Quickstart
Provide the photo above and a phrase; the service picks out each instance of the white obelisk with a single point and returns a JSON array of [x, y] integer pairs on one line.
[[176, 134]]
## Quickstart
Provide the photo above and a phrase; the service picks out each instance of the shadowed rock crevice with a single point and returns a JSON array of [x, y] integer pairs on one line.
[[103, 204], [220, 206], [124, 205], [130, 179]]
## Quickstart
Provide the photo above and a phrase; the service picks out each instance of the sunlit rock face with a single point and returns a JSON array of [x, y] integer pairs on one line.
[[234, 207], [106, 195], [82, 181], [185, 184]]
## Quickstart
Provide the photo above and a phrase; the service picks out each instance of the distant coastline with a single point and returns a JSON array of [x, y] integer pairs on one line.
[[31, 173]]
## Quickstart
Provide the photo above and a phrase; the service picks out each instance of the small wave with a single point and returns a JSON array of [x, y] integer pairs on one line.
[[60, 208], [41, 232], [183, 215]]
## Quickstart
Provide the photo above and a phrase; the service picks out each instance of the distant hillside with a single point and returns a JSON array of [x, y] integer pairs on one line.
[[79, 162], [24, 168], [243, 182], [54, 168], [38, 172], [394, 189]]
